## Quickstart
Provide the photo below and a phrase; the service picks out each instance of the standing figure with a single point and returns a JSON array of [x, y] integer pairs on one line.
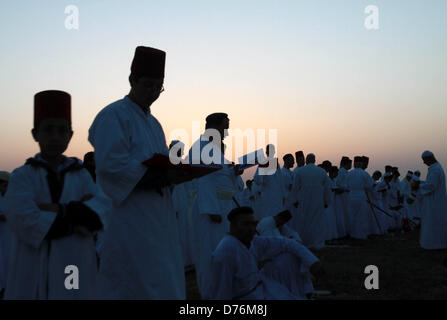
[[141, 256]]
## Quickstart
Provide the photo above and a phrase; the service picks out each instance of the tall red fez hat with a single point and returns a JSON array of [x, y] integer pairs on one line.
[[216, 117], [52, 104], [148, 62]]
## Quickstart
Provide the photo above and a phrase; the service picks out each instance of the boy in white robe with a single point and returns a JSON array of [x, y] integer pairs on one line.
[[141, 257], [53, 208], [239, 266]]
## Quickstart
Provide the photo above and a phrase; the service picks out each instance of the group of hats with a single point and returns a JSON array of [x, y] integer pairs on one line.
[[149, 62]]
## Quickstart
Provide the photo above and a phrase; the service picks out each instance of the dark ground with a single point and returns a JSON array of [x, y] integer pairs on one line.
[[405, 270]]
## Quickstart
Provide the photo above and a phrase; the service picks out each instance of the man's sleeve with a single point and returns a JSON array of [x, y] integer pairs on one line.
[[28, 222], [429, 185], [100, 203], [118, 171], [269, 247]]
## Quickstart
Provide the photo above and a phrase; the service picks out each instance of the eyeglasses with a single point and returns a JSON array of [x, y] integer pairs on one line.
[[154, 86]]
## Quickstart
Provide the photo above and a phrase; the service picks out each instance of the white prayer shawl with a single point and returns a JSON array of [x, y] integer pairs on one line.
[[271, 199], [282, 269], [141, 256], [235, 273], [363, 222], [37, 266], [267, 227], [432, 191], [214, 196], [312, 191], [181, 198]]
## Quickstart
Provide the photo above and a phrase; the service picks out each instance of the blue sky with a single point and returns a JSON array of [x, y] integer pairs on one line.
[[309, 69]]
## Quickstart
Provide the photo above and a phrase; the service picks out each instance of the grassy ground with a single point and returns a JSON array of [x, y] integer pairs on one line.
[[405, 270]]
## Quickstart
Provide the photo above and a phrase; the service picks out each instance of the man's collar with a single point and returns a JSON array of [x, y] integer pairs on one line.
[[135, 106]]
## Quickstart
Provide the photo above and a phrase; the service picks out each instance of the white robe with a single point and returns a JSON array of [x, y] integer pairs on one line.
[[331, 214], [37, 265], [214, 196], [362, 220], [272, 197], [246, 198], [181, 198], [267, 228], [287, 178], [312, 191], [378, 199], [141, 256], [341, 204], [393, 201], [235, 273], [432, 191]]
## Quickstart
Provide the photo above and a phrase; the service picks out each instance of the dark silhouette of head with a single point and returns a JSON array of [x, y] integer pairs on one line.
[[242, 224]]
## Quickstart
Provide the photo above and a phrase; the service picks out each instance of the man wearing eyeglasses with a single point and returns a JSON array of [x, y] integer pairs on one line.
[[141, 254]]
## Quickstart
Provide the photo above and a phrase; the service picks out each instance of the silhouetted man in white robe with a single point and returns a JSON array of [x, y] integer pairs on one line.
[[432, 193], [312, 192], [240, 263]]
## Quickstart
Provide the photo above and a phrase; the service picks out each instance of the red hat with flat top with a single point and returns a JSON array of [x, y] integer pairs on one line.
[[52, 104], [148, 62]]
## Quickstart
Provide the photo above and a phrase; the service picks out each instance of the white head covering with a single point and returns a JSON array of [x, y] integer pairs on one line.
[[427, 153]]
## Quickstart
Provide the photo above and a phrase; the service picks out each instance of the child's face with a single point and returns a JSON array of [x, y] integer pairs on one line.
[[53, 136]]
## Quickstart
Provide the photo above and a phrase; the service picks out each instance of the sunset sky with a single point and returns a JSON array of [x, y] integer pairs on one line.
[[309, 69]]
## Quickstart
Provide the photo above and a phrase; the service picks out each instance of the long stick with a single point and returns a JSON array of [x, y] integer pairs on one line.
[[374, 214], [235, 201], [380, 209]]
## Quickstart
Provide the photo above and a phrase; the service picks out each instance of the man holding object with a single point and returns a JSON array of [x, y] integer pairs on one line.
[[141, 257]]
